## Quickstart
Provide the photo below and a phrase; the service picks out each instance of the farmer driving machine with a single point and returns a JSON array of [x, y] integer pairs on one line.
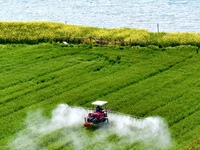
[[97, 116]]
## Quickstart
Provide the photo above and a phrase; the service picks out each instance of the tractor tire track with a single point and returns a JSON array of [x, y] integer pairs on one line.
[[35, 88], [152, 74]]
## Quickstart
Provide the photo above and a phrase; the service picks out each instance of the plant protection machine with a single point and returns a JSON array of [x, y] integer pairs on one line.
[[99, 115]]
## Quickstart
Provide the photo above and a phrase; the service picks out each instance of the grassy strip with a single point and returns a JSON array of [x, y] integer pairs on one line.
[[40, 32]]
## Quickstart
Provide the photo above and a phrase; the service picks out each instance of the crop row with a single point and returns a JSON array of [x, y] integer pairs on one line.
[[41, 84], [40, 32], [136, 81]]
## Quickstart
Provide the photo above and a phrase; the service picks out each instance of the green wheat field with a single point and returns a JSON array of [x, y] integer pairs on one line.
[[138, 81]]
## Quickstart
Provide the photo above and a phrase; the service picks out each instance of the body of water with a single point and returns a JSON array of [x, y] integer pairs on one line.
[[169, 15]]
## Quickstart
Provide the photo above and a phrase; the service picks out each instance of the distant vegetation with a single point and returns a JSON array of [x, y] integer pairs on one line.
[[40, 32], [139, 81]]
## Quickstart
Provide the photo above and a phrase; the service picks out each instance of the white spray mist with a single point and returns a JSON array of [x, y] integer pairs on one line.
[[152, 132]]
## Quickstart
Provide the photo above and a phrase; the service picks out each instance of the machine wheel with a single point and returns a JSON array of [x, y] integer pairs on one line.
[[94, 120]]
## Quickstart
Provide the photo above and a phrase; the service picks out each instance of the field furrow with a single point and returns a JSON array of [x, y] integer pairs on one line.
[[137, 81]]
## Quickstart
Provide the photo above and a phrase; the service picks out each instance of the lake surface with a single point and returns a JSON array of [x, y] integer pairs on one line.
[[170, 15]]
